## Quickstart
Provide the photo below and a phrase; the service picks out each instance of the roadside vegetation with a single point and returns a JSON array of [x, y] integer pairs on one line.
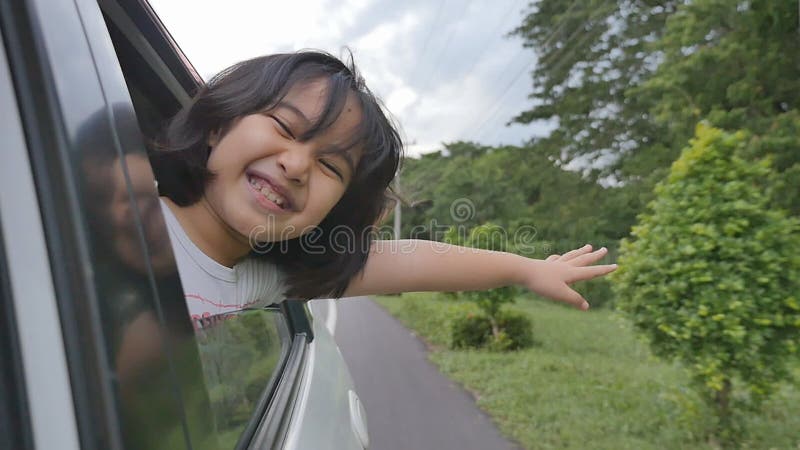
[[586, 383], [675, 143]]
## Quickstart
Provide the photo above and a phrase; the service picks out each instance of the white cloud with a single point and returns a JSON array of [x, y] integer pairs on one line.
[[400, 99], [215, 36], [388, 34]]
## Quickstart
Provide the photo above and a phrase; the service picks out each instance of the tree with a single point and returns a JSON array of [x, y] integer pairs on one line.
[[589, 54], [734, 64], [549, 209], [511, 187], [711, 273], [737, 66], [627, 81]]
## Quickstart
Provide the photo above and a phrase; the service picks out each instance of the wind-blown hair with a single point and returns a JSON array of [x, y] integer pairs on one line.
[[181, 154]]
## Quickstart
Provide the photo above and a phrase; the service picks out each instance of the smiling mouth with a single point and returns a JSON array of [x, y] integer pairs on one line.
[[263, 187]]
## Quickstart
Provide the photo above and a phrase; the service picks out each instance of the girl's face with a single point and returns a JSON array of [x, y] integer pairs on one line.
[[268, 185]]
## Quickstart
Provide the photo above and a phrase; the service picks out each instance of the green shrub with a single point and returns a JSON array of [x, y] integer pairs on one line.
[[517, 328], [710, 275], [501, 342], [475, 331], [470, 331]]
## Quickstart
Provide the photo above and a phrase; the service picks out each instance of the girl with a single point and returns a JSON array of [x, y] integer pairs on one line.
[[272, 177]]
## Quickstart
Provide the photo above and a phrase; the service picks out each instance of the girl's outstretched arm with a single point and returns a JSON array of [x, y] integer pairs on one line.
[[417, 265]]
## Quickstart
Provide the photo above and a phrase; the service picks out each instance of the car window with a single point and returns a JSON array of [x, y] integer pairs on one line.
[[242, 353], [133, 365]]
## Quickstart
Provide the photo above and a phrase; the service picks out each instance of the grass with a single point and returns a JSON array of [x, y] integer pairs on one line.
[[587, 383]]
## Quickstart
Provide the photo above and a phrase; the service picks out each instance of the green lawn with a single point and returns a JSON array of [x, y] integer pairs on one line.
[[586, 384]]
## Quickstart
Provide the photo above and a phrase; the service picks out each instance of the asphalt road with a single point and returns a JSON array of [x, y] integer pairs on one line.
[[409, 404]]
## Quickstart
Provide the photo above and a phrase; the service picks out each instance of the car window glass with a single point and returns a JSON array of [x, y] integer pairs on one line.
[[162, 403], [242, 352]]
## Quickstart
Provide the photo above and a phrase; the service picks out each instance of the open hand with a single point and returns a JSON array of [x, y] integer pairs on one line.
[[551, 277]]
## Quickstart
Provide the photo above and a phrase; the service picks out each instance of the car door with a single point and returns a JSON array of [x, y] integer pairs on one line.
[[124, 366], [310, 403], [96, 284]]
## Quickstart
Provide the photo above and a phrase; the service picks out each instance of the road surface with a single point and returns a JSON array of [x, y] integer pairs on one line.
[[409, 404]]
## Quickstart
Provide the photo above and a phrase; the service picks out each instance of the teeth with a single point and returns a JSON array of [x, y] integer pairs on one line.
[[273, 197], [267, 192]]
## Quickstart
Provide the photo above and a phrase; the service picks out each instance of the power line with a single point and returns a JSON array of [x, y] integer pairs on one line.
[[480, 54], [448, 39], [483, 120], [558, 65], [433, 28], [503, 19], [496, 107]]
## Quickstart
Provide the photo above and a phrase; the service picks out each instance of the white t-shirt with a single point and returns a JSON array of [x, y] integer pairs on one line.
[[211, 288]]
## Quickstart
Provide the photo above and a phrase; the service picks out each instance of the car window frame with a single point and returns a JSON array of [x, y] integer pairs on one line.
[[32, 332]]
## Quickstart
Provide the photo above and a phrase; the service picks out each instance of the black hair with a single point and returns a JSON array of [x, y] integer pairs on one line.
[[259, 84]]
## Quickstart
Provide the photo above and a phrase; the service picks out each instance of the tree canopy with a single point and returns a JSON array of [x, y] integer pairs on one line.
[[711, 273], [628, 80]]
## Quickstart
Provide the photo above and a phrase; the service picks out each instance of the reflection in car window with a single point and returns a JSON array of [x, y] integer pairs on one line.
[[241, 353], [152, 347]]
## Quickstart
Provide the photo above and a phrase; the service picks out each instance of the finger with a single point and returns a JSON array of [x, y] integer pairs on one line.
[[575, 299], [552, 257], [587, 273], [589, 258], [573, 253]]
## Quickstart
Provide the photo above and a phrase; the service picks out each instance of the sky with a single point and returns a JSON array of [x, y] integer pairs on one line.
[[445, 69]]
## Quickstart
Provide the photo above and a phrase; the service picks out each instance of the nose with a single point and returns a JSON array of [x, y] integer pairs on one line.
[[295, 163]]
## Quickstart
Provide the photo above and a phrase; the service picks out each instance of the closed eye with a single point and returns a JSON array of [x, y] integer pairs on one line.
[[332, 167], [283, 126]]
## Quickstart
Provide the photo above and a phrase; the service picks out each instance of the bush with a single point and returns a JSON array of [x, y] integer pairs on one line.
[[475, 331], [470, 331], [517, 328], [711, 274]]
